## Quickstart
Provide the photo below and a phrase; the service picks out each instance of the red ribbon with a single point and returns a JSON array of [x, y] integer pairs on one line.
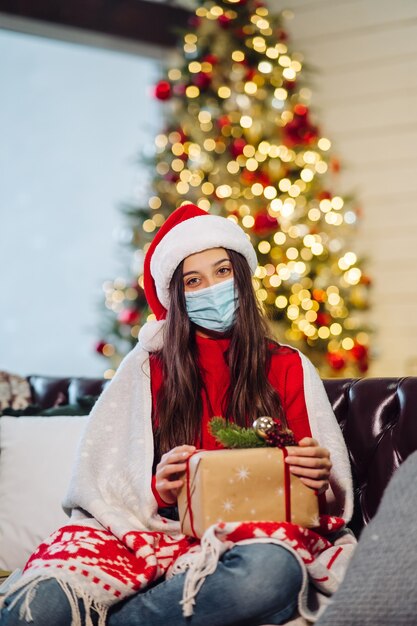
[[287, 486], [187, 478]]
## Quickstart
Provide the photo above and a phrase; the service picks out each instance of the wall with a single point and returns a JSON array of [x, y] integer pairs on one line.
[[365, 91], [72, 119]]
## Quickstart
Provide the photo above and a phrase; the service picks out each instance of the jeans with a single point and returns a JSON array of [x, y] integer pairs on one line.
[[252, 585]]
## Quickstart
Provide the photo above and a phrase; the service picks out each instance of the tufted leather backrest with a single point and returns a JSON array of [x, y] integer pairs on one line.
[[378, 417]]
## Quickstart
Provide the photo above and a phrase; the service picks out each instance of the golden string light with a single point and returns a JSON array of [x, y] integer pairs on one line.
[[236, 146]]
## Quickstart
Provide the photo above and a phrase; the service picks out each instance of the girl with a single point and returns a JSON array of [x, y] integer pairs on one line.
[[121, 560]]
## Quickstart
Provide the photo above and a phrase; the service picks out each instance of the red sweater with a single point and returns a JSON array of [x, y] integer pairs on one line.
[[285, 375]]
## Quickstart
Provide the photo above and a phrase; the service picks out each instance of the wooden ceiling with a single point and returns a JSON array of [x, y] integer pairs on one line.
[[140, 21]]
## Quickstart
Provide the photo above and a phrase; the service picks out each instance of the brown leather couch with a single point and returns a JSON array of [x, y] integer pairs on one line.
[[378, 417]]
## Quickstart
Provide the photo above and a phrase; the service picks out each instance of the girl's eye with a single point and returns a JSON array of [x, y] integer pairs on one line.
[[191, 282], [224, 270]]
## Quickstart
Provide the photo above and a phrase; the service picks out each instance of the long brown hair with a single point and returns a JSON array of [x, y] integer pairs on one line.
[[179, 404]]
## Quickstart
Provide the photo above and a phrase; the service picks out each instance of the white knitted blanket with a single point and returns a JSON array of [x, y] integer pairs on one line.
[[116, 543]]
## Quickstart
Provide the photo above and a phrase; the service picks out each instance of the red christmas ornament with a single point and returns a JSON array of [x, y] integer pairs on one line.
[[365, 280], [255, 177], [202, 80], [237, 146], [281, 34], [324, 195], [99, 347], [335, 165], [211, 58], [172, 177], [289, 85], [224, 21], [262, 177], [128, 316], [300, 131], [300, 109], [248, 177], [319, 295], [323, 319], [279, 437], [163, 90], [224, 120], [336, 360], [264, 223], [359, 352]]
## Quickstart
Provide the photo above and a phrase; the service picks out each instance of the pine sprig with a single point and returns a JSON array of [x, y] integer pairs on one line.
[[234, 436]]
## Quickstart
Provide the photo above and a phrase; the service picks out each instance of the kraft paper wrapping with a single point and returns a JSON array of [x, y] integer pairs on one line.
[[242, 485]]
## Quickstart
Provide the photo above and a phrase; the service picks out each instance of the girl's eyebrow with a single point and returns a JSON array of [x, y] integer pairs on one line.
[[214, 265]]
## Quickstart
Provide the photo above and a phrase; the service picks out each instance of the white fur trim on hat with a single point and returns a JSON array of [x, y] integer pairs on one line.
[[195, 235], [151, 335]]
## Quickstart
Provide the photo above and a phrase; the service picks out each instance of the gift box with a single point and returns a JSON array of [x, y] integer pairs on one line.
[[250, 484]]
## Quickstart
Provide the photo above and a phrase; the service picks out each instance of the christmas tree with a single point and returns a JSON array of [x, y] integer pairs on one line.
[[241, 141]]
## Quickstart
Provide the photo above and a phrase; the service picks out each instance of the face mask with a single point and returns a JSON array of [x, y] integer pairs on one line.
[[214, 307]]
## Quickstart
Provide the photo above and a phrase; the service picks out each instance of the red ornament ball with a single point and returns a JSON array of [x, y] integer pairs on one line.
[[359, 352], [336, 360], [211, 58], [289, 85], [324, 195], [99, 347], [281, 34], [264, 223], [237, 147], [300, 109], [202, 80], [163, 90], [335, 165], [224, 21], [223, 121], [300, 131], [129, 316], [323, 319]]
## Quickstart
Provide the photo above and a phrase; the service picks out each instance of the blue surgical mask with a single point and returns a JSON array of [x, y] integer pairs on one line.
[[214, 307]]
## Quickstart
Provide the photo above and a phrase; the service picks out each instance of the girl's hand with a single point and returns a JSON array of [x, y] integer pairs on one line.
[[310, 463], [171, 464]]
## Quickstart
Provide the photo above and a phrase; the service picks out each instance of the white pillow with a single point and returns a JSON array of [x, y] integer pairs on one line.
[[36, 456]]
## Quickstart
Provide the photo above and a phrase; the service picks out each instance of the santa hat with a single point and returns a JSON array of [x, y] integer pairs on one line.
[[188, 230]]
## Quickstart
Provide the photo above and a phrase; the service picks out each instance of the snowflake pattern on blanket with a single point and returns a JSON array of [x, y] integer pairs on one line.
[[111, 570]]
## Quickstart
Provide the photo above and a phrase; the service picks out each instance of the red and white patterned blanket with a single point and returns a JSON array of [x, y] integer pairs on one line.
[[102, 569]]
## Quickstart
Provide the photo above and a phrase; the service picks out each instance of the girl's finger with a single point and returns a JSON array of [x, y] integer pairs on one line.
[[316, 474], [168, 485], [179, 450], [314, 462], [308, 452], [167, 470]]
